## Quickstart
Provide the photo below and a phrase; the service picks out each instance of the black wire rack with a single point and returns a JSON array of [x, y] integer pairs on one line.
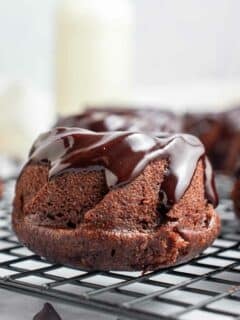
[[208, 286]]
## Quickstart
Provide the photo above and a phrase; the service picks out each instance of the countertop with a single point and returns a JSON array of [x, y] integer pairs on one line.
[[15, 306]]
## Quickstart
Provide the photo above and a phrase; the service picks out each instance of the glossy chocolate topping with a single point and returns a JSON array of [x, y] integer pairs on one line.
[[123, 156], [120, 119], [47, 313]]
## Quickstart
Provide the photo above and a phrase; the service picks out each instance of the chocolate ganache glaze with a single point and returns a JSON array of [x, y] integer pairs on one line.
[[122, 119], [123, 156]]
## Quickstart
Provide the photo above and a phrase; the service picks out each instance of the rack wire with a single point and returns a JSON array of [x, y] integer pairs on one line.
[[208, 286]]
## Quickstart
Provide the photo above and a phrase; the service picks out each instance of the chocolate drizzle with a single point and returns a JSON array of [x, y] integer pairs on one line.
[[123, 156]]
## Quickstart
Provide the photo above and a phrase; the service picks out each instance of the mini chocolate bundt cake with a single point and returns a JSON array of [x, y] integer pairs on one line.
[[208, 128], [116, 200], [220, 134], [233, 123]]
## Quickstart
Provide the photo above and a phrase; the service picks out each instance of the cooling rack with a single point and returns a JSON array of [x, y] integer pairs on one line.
[[208, 286]]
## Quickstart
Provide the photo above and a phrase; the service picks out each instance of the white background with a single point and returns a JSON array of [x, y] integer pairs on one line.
[[176, 41]]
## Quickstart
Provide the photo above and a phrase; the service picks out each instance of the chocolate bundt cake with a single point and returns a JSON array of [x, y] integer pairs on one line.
[[116, 200], [220, 134]]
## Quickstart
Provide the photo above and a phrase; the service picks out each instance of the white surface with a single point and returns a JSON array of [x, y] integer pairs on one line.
[[14, 306]]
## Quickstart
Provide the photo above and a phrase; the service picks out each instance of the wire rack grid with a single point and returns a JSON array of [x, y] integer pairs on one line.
[[208, 286]]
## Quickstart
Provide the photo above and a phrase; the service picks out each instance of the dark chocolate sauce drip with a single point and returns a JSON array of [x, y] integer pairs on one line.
[[123, 156], [47, 313]]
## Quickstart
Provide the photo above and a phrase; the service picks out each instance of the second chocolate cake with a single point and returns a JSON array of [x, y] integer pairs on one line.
[[116, 200], [220, 134]]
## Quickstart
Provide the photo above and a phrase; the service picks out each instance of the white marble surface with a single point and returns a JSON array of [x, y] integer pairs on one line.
[[14, 306]]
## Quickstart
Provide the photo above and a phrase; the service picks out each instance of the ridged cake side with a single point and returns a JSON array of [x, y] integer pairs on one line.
[[74, 219]]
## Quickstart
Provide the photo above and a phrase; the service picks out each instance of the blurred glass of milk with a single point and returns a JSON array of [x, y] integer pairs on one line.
[[25, 112], [94, 53]]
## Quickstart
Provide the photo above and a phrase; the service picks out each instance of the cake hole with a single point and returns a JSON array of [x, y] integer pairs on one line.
[[206, 222], [161, 209], [144, 225], [50, 216], [21, 202], [71, 225], [143, 202], [172, 219], [163, 206], [59, 215]]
